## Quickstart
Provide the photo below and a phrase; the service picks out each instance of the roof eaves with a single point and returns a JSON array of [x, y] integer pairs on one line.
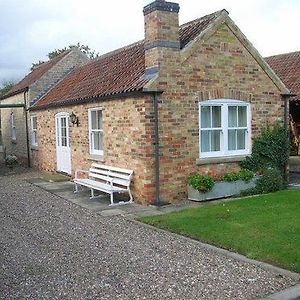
[[122, 94], [14, 93]]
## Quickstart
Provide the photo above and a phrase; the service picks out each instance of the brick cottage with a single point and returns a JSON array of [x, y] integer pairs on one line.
[[185, 99]]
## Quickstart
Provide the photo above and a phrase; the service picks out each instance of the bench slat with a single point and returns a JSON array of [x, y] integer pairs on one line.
[[98, 185], [123, 182], [121, 170], [109, 173]]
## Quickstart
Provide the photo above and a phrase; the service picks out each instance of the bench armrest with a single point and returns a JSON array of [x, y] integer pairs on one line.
[[80, 171]]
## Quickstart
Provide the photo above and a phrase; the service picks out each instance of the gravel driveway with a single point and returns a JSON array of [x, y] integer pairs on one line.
[[52, 249]]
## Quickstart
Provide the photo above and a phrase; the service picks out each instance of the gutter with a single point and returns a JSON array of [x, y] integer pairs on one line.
[[14, 93]]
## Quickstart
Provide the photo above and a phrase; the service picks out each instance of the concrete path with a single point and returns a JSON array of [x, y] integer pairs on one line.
[[53, 249]]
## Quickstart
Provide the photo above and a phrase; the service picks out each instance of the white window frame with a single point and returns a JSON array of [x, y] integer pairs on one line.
[[13, 127], [224, 152], [91, 142], [34, 139]]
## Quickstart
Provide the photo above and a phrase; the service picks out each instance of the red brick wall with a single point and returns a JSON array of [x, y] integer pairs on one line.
[[128, 132], [219, 68]]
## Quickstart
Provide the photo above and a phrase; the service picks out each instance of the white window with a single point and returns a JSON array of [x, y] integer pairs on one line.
[[96, 131], [225, 128], [13, 127], [34, 141]]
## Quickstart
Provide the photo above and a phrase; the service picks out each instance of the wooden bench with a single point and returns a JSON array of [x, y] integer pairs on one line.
[[106, 179]]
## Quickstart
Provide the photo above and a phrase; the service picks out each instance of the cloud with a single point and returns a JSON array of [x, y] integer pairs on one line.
[[31, 29]]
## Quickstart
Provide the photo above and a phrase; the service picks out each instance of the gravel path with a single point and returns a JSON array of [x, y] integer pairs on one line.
[[52, 249]]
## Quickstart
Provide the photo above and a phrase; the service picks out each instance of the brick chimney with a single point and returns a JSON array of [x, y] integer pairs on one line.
[[161, 33]]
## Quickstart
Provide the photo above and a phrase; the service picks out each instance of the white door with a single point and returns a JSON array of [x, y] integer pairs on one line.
[[63, 151]]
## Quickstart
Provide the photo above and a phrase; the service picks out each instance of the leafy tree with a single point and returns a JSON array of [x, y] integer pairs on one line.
[[6, 86], [91, 54]]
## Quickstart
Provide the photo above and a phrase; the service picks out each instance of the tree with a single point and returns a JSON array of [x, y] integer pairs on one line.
[[6, 86], [91, 54]]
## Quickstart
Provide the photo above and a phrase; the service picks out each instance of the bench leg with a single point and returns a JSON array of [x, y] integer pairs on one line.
[[112, 198], [92, 194], [130, 195], [76, 188]]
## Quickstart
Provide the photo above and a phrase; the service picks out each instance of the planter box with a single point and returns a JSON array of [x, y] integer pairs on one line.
[[221, 189]]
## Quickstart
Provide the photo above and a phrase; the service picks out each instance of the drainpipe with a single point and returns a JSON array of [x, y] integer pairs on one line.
[[155, 94], [27, 130], [286, 98], [156, 150]]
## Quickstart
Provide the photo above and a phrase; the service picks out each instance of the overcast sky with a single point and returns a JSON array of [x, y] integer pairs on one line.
[[30, 29]]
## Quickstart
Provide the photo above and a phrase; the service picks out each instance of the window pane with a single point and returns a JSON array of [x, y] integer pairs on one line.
[[232, 116], [63, 132], [63, 122], [215, 140], [216, 116], [96, 116], [64, 141], [99, 119], [242, 115], [241, 139], [97, 140], [205, 147], [94, 119], [232, 139], [205, 117], [34, 123]]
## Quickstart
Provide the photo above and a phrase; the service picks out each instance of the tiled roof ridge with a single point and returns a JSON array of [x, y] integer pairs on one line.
[[283, 54], [14, 91], [218, 12], [113, 52], [62, 54]]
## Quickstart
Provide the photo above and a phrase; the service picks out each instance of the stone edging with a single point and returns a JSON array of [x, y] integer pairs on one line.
[[225, 252]]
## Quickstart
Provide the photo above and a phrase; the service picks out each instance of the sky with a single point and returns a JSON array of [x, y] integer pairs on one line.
[[30, 29]]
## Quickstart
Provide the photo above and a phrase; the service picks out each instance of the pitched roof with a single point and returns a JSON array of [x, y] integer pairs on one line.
[[287, 67], [117, 72], [35, 74]]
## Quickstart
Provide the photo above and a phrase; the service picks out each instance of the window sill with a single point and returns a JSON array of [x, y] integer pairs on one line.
[[96, 157], [220, 160], [34, 147]]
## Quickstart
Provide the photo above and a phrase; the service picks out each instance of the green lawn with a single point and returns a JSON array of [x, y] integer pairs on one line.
[[265, 227]]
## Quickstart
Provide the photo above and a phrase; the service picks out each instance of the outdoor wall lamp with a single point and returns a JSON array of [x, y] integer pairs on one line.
[[74, 119]]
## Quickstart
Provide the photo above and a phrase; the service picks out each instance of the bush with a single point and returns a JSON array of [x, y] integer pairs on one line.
[[270, 181], [244, 174], [201, 183], [270, 150]]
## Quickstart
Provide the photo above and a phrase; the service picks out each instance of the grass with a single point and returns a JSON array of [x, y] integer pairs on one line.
[[266, 227]]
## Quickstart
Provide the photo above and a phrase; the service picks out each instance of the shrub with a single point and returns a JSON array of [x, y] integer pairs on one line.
[[270, 149], [244, 174], [231, 176], [202, 183], [270, 181]]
